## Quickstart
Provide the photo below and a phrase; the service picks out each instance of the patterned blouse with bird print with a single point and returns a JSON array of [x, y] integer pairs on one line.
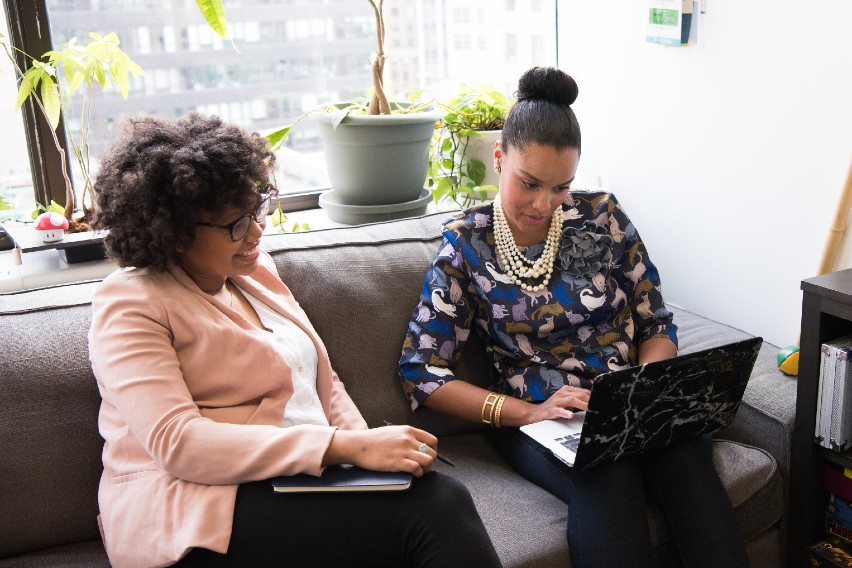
[[602, 301]]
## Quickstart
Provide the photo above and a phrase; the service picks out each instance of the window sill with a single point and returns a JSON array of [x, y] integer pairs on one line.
[[47, 268]]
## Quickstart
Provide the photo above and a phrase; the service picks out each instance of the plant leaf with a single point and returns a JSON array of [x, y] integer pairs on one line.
[[276, 137], [23, 93], [214, 13], [439, 193], [476, 171], [50, 101], [339, 116], [278, 218]]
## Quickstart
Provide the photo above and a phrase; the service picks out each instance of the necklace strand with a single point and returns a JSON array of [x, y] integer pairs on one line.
[[519, 268]]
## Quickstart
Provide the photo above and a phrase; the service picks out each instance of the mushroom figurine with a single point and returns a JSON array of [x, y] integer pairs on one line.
[[51, 227]]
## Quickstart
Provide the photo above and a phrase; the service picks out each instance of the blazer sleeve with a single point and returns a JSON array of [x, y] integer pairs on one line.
[[139, 375], [343, 412]]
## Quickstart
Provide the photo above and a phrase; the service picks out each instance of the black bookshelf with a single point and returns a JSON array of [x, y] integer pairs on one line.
[[826, 315]]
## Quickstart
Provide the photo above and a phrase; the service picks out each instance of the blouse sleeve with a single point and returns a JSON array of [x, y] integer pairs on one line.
[[639, 279], [439, 326]]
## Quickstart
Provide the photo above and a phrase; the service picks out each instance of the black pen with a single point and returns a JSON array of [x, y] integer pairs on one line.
[[437, 455]]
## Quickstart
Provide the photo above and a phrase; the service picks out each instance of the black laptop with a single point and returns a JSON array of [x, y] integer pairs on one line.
[[649, 406]]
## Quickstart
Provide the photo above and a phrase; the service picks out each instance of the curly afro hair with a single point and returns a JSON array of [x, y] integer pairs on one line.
[[161, 173]]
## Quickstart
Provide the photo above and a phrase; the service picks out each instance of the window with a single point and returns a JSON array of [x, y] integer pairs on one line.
[[287, 56], [17, 199], [511, 47]]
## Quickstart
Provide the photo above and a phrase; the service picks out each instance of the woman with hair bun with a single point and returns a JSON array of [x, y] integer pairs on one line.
[[560, 288]]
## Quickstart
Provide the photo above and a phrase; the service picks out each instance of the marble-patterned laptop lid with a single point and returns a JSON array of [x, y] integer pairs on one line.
[[647, 407]]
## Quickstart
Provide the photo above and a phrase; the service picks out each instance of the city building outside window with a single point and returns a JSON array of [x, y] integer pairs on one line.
[[281, 58]]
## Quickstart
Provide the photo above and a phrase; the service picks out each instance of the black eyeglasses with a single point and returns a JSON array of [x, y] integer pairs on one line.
[[240, 227]]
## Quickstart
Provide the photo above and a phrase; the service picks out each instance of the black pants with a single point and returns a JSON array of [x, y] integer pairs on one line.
[[433, 524], [608, 504]]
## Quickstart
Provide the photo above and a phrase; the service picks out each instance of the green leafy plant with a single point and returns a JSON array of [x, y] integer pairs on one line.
[[279, 221], [52, 207], [452, 173], [100, 61]]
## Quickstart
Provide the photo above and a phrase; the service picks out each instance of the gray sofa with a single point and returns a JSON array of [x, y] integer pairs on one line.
[[50, 450]]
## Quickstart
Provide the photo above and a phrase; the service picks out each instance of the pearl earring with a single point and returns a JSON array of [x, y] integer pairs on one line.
[[496, 167]]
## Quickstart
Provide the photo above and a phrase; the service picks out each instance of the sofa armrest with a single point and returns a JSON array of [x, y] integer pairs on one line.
[[766, 416]]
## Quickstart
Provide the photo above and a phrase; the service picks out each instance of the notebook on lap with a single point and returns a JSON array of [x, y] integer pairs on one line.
[[642, 408]]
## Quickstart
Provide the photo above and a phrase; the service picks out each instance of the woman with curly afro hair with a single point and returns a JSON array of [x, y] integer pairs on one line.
[[213, 381]]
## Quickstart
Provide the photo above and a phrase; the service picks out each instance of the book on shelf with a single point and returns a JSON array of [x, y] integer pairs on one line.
[[840, 508], [837, 528], [838, 518], [836, 481], [343, 478], [833, 428], [831, 552]]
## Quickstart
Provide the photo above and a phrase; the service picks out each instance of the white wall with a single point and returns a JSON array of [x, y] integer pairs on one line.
[[729, 156]]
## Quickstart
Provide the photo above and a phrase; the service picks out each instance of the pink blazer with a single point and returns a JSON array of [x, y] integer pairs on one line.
[[192, 399]]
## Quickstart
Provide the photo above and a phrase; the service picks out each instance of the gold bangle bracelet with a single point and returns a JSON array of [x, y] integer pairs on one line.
[[488, 408], [497, 408]]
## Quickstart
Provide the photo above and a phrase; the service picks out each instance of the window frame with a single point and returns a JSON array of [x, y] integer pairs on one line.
[[29, 31]]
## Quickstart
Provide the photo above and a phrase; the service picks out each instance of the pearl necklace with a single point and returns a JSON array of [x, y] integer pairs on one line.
[[517, 265]]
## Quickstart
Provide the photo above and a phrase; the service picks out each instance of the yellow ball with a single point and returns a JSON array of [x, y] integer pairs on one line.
[[788, 361]]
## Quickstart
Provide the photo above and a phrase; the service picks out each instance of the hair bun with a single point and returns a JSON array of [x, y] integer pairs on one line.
[[547, 83]]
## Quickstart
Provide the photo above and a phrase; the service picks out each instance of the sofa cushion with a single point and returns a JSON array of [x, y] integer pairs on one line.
[[749, 475], [48, 428], [88, 554]]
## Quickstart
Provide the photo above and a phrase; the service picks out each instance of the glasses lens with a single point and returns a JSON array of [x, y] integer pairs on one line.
[[262, 209], [241, 227]]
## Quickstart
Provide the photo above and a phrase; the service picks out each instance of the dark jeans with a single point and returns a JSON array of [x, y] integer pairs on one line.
[[608, 510], [433, 524]]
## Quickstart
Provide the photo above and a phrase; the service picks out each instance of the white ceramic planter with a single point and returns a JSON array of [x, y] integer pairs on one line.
[[482, 148]]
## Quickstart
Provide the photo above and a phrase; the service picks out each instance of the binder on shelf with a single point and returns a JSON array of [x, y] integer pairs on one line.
[[826, 382], [834, 407], [841, 405]]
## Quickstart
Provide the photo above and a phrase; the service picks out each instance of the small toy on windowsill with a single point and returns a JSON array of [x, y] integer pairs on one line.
[[788, 360], [51, 226]]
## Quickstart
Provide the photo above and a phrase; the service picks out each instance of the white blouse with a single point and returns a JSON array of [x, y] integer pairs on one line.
[[300, 353]]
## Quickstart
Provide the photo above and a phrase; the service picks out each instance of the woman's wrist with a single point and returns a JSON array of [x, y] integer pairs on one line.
[[338, 450], [508, 411]]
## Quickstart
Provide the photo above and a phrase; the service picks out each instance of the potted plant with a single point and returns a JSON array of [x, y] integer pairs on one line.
[[463, 145], [100, 61], [377, 151]]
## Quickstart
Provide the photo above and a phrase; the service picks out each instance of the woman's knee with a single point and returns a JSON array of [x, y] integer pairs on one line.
[[443, 489], [442, 495]]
